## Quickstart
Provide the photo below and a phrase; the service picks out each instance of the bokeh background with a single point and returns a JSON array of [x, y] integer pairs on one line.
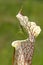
[[10, 29]]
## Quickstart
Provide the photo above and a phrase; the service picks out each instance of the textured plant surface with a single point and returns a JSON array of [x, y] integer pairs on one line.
[[10, 29], [24, 48]]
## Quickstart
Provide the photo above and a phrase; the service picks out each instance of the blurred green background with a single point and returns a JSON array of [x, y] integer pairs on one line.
[[10, 29]]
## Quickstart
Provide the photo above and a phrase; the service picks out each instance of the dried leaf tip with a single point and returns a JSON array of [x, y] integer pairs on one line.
[[20, 11]]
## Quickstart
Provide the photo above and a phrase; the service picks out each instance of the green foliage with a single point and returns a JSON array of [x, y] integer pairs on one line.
[[10, 29]]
